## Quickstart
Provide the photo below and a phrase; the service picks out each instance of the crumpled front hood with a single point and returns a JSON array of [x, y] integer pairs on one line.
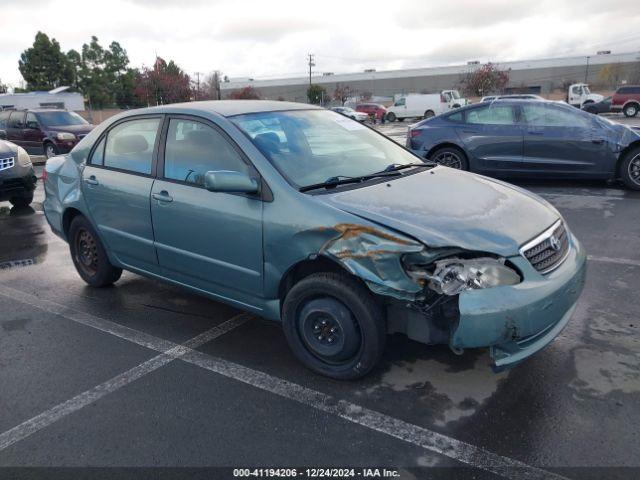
[[443, 207]]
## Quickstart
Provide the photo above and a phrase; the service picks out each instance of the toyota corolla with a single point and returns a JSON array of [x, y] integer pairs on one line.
[[308, 218]]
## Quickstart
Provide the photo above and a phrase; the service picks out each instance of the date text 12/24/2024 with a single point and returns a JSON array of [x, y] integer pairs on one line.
[[316, 472]]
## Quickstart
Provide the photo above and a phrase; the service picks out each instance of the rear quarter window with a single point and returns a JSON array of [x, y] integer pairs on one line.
[[457, 117]]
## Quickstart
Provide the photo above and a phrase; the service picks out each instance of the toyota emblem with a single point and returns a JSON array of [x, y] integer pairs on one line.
[[554, 242]]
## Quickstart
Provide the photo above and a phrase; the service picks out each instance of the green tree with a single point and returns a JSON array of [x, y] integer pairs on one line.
[[317, 94], [44, 66]]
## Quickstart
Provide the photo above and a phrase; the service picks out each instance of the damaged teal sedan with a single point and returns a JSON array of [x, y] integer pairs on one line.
[[306, 217]]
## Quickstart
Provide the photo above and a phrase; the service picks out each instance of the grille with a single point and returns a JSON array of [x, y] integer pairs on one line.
[[548, 251], [7, 163]]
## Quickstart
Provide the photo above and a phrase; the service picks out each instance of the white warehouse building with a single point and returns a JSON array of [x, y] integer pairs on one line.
[[56, 98]]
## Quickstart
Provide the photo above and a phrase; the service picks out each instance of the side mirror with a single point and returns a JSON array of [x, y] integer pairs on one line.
[[3, 135], [229, 181]]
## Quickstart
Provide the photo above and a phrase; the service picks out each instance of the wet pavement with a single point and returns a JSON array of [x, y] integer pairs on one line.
[[84, 380]]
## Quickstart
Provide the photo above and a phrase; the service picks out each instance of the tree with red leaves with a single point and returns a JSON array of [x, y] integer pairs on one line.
[[485, 80], [162, 84], [246, 93]]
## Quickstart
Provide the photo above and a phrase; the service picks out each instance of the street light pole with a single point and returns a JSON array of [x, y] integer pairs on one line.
[[586, 72]]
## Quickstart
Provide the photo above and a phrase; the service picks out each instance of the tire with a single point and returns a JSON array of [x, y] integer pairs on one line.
[[450, 157], [391, 117], [331, 307], [50, 150], [401, 119], [630, 169], [89, 256], [631, 110], [429, 114], [22, 201], [456, 106]]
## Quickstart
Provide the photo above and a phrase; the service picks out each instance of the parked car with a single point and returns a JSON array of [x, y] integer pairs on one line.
[[17, 177], [514, 96], [44, 131], [603, 106], [351, 113], [530, 138], [372, 109], [303, 216], [626, 100], [579, 95]]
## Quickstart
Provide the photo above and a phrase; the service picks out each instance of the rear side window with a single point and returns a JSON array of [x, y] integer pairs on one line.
[[16, 120], [194, 148], [4, 117], [455, 117], [492, 115], [551, 116], [97, 158], [130, 145]]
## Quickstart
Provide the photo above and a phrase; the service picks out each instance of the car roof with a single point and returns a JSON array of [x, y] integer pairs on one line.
[[229, 108]]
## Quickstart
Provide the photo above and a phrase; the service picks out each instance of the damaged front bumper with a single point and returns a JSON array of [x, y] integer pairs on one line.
[[516, 321]]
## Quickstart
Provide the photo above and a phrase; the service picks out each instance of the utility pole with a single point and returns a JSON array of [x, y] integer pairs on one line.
[[197, 74], [312, 63], [586, 72]]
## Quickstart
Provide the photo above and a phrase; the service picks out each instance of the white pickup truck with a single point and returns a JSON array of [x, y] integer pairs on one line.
[[579, 95], [424, 105]]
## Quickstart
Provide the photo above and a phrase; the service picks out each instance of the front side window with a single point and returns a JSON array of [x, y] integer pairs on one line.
[[551, 116], [4, 117], [577, 90], [193, 149], [312, 146], [400, 102], [492, 115], [61, 118], [130, 145], [32, 121]]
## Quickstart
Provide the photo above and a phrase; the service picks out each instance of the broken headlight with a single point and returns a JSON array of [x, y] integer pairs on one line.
[[454, 275]]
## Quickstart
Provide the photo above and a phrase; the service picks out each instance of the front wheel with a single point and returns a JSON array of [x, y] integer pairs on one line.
[[89, 256], [631, 110], [50, 150], [630, 169], [334, 326]]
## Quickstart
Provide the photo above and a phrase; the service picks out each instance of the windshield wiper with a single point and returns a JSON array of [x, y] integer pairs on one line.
[[343, 180], [394, 167]]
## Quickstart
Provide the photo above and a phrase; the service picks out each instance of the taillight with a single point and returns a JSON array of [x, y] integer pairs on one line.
[[414, 133]]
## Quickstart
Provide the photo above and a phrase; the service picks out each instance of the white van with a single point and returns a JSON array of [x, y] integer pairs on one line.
[[424, 106]]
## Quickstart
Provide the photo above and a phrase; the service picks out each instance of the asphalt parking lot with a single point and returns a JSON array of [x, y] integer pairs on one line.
[[146, 375]]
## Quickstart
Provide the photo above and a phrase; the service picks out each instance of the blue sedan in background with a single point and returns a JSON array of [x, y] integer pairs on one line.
[[529, 138]]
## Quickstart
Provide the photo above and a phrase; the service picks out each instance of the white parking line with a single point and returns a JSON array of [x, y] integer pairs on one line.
[[618, 261], [419, 436], [46, 418]]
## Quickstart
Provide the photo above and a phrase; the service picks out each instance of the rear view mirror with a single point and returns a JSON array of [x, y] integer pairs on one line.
[[3, 135], [229, 181]]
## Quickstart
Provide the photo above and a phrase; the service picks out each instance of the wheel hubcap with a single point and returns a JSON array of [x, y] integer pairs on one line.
[[634, 169], [448, 159], [328, 329], [86, 252], [50, 152]]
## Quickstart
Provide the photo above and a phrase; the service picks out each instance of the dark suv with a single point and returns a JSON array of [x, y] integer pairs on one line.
[[626, 100], [49, 132], [17, 177]]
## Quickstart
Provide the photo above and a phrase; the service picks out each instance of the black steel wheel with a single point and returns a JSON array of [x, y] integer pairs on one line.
[[88, 254], [334, 325]]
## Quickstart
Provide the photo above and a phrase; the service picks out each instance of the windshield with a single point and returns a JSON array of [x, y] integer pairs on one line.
[[311, 146], [585, 90], [455, 94], [61, 118]]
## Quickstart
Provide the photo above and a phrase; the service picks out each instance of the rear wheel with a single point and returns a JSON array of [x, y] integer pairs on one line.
[[22, 201], [391, 117], [630, 169], [631, 110], [89, 256], [334, 325], [450, 157], [429, 114]]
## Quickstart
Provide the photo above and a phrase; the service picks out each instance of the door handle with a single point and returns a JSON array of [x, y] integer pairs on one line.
[[470, 131], [163, 196], [597, 141], [91, 180], [535, 133]]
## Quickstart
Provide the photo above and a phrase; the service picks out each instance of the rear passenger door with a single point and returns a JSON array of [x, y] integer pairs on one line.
[[208, 240], [117, 186], [492, 136]]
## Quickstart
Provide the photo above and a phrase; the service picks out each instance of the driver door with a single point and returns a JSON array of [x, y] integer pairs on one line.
[[208, 240]]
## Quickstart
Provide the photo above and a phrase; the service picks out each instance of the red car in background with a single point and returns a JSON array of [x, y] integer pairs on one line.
[[626, 100], [372, 108]]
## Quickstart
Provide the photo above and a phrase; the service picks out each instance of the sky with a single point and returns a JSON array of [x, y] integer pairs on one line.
[[271, 38]]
